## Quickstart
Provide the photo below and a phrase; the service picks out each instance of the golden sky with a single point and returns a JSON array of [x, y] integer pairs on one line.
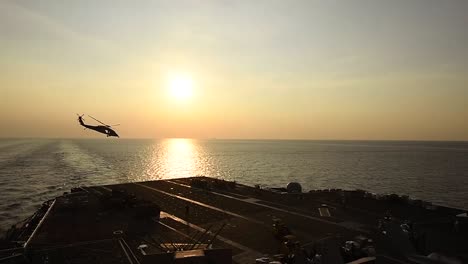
[[255, 69]]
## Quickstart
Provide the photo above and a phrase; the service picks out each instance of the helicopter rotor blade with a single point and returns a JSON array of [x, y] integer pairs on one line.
[[114, 125], [98, 120]]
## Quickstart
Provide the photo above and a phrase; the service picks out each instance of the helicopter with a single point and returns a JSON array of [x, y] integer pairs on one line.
[[104, 129]]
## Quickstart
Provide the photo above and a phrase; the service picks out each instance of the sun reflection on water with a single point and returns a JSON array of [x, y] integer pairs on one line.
[[175, 158], [181, 157]]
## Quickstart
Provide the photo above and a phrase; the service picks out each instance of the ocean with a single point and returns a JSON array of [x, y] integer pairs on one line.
[[35, 170]]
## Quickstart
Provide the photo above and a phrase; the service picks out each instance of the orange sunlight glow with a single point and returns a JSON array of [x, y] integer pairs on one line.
[[180, 86]]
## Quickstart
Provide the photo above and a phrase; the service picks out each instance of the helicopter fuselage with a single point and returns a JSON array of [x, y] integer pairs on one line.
[[101, 129]]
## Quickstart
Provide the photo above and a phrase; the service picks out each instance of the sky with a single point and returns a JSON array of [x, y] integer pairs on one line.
[[352, 70]]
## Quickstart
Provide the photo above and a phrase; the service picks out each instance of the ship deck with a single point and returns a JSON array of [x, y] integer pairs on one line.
[[198, 211]]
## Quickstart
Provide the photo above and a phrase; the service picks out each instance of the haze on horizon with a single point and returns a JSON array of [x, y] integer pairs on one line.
[[236, 69]]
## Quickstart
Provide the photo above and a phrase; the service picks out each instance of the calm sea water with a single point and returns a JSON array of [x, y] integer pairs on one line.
[[32, 171]]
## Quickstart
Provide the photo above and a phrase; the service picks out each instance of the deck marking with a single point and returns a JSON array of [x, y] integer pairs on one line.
[[106, 188], [280, 209], [324, 212], [39, 224], [175, 230], [201, 229], [203, 204]]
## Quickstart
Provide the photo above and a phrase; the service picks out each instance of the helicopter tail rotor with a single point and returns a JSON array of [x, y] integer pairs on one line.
[[81, 119]]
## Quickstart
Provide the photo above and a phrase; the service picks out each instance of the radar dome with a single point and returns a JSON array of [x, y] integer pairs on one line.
[[294, 187]]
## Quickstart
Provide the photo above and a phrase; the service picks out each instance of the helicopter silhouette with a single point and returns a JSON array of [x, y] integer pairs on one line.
[[104, 129]]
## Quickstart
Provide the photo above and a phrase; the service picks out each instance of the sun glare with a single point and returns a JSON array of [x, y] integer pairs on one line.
[[180, 86]]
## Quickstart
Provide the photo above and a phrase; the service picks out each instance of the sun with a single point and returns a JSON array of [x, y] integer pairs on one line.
[[180, 86]]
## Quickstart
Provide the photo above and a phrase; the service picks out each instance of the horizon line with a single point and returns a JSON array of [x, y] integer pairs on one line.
[[246, 139]]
